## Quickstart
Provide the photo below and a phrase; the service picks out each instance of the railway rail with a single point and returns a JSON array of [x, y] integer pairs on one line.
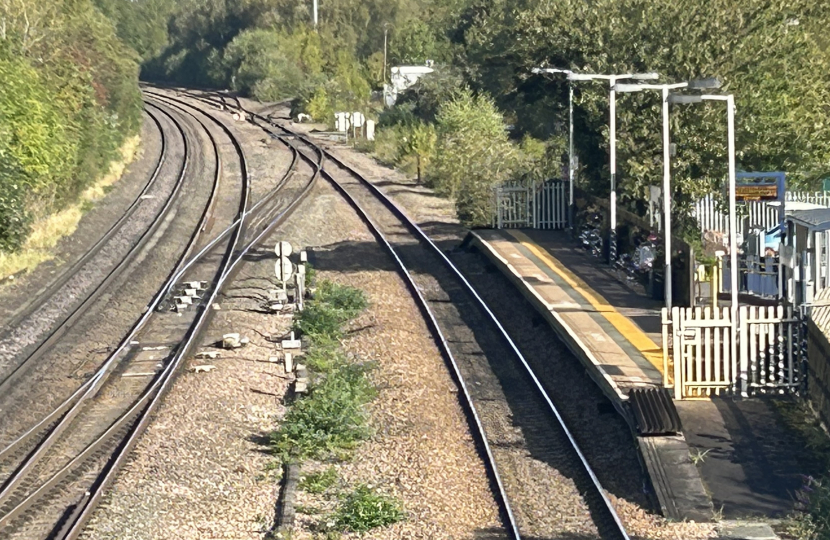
[[61, 290], [470, 336], [82, 427], [475, 343], [264, 216]]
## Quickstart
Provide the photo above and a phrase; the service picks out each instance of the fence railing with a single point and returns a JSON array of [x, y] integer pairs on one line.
[[540, 206], [759, 213], [698, 360]]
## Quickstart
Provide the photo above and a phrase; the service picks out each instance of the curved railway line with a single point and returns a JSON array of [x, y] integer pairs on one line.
[[10, 369], [476, 346], [55, 473], [92, 425]]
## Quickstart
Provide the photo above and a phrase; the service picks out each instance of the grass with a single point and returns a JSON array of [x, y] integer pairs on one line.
[[332, 419], [364, 509], [48, 230], [697, 456], [332, 307], [319, 482]]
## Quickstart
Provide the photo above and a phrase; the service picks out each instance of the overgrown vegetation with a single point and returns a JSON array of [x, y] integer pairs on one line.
[[320, 481], [68, 101], [811, 521], [332, 419], [772, 56], [332, 306]]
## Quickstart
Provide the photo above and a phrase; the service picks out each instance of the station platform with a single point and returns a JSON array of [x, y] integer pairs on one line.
[[749, 457], [613, 330]]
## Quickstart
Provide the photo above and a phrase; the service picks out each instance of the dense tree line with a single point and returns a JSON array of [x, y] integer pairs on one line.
[[771, 55], [68, 98]]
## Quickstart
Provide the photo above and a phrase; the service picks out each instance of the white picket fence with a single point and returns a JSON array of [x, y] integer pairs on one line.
[[698, 360], [540, 206], [760, 213]]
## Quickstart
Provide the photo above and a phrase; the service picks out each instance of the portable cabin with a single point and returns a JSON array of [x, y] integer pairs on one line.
[[804, 254]]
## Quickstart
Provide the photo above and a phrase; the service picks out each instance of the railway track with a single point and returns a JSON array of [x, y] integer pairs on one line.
[[80, 446], [78, 437], [496, 380], [59, 305]]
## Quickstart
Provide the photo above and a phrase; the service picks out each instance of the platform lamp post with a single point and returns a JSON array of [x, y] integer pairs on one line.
[[666, 89], [612, 80], [567, 72], [733, 233]]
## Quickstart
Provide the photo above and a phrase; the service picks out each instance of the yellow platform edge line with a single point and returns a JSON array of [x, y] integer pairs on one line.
[[630, 331]]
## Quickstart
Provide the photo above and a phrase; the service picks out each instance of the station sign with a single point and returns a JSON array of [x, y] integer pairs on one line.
[[759, 189]]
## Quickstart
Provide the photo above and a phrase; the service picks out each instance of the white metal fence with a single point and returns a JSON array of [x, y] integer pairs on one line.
[[760, 213], [698, 360], [540, 206]]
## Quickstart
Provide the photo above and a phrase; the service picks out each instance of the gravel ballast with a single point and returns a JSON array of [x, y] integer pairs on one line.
[[201, 470]]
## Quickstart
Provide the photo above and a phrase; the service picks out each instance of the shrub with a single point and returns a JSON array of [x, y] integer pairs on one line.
[[365, 509], [472, 155], [330, 420], [332, 306]]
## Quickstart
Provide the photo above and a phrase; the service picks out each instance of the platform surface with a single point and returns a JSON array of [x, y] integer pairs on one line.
[[749, 462], [611, 329]]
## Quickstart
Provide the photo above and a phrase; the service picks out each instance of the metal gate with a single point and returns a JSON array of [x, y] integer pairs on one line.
[[513, 207], [697, 353], [541, 206]]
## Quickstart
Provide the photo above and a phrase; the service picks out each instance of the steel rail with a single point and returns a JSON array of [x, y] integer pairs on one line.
[[91, 387], [81, 308], [127, 417], [609, 507], [148, 310], [82, 514], [398, 212], [27, 308], [274, 192], [70, 408]]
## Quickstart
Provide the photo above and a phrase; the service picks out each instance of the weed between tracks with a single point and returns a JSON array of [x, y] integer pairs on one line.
[[333, 419]]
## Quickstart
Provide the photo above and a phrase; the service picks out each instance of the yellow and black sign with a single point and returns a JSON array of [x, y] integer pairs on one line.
[[756, 192]]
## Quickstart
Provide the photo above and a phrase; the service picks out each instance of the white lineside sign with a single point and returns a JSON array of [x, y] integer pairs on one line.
[[283, 269]]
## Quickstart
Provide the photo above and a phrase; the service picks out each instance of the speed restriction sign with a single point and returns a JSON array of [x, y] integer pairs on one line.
[[283, 269]]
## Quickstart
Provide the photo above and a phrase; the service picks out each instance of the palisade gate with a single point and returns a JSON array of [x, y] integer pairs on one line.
[[699, 359], [542, 205]]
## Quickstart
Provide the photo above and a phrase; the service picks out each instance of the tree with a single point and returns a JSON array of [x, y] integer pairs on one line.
[[473, 155], [770, 55]]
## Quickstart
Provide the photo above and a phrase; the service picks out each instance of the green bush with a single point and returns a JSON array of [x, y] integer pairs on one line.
[[365, 509], [331, 420], [69, 99], [472, 156], [324, 355]]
